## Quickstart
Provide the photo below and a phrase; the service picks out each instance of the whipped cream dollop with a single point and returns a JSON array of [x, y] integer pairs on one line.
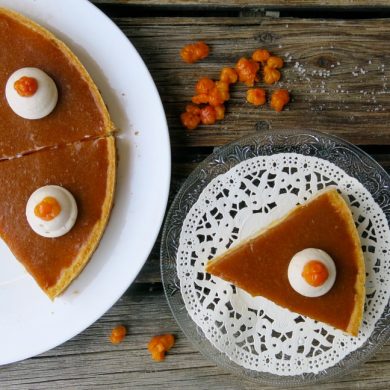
[[298, 276], [41, 103], [51, 211]]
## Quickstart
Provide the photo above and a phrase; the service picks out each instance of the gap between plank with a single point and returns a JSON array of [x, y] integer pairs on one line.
[[198, 11]]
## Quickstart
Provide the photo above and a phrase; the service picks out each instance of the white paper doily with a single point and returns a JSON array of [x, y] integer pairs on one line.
[[254, 332]]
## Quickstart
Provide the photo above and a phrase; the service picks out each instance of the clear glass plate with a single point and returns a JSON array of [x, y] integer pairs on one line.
[[348, 157]]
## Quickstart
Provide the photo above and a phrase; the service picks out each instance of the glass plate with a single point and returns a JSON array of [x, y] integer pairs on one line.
[[348, 157]]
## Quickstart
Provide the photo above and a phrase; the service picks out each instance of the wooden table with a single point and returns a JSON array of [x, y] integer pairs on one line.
[[338, 68]]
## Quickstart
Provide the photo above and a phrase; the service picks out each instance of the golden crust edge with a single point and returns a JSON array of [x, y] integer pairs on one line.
[[360, 290], [357, 314], [108, 124], [359, 287], [97, 232]]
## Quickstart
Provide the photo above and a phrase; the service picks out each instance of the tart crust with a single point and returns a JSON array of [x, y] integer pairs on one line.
[[87, 170], [62, 149]]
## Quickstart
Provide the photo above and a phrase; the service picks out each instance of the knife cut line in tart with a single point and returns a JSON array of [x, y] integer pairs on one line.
[[80, 111], [87, 170], [72, 146]]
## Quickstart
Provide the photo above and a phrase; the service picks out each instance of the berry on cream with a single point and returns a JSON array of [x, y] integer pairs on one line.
[[311, 272], [31, 93], [51, 211]]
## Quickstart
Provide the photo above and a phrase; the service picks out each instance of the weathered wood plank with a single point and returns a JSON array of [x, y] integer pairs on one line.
[[90, 361], [276, 4], [337, 72]]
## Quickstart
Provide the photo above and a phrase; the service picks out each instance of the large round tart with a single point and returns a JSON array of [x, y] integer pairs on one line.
[[71, 147]]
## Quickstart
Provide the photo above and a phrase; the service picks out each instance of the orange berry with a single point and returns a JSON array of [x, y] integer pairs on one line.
[[228, 75], [275, 62], [47, 209], [159, 345], [204, 85], [279, 99], [118, 334], [247, 71], [256, 96], [193, 109], [201, 50], [194, 52], [315, 273], [189, 120], [271, 75], [219, 94], [168, 340], [208, 115], [220, 111], [187, 54], [203, 98], [261, 55], [216, 98], [26, 86], [222, 86]]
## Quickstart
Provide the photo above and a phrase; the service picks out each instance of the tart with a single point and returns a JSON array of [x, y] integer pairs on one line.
[[80, 112], [259, 265], [70, 147], [87, 170]]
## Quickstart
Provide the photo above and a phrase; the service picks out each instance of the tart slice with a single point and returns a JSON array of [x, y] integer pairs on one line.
[[87, 171], [79, 112], [260, 264]]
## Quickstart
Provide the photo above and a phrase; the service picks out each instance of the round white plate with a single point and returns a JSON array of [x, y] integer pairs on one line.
[[29, 322]]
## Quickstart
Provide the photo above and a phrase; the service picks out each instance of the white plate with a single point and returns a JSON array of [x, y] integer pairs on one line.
[[29, 322]]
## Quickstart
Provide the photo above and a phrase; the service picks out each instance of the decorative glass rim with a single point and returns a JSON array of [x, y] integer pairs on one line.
[[350, 158]]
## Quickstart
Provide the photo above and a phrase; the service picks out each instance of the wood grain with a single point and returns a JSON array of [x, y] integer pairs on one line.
[[277, 4], [90, 361], [336, 70], [338, 73]]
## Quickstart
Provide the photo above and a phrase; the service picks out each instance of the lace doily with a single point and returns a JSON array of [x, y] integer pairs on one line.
[[254, 332]]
